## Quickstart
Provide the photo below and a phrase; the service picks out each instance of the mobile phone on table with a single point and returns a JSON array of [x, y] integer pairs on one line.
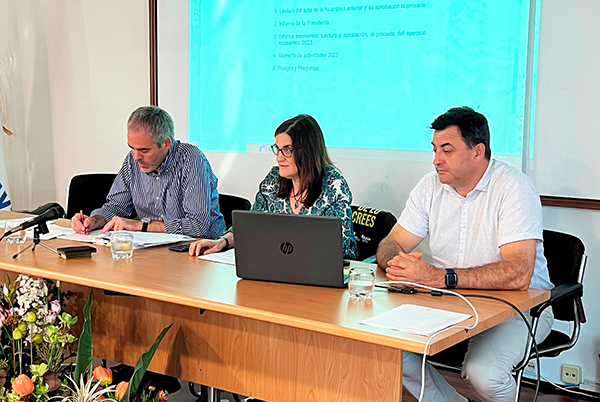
[[182, 248]]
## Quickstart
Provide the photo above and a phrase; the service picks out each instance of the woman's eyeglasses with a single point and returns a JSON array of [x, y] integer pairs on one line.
[[286, 151]]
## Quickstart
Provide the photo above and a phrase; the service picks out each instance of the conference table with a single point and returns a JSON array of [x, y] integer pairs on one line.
[[273, 341]]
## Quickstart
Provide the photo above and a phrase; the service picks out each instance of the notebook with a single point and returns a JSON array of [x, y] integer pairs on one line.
[[297, 249]]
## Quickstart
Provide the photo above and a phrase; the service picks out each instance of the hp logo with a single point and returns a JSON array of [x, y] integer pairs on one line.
[[286, 248]]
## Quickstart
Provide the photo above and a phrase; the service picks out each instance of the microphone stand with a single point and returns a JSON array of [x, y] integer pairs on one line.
[[41, 228]]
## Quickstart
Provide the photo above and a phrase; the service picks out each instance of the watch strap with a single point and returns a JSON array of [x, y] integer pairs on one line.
[[451, 278], [226, 242], [145, 223]]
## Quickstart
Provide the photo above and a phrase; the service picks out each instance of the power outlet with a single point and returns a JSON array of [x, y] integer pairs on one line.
[[570, 374]]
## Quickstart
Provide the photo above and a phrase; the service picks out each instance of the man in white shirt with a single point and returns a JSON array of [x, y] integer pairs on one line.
[[484, 221]]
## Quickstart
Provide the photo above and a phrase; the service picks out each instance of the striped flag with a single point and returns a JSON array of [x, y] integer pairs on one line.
[[4, 197]]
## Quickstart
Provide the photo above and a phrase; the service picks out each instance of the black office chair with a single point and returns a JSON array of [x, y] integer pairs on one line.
[[370, 227], [566, 258], [87, 192], [229, 203]]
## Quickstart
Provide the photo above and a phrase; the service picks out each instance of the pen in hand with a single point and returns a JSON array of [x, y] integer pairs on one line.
[[85, 231]]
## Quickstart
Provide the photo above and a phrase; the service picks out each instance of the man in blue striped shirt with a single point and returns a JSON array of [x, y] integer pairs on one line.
[[168, 184]]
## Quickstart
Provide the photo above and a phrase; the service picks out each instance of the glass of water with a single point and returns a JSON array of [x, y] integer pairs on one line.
[[15, 238], [121, 245], [361, 281]]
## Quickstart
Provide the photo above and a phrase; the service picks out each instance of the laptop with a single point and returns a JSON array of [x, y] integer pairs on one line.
[[299, 249]]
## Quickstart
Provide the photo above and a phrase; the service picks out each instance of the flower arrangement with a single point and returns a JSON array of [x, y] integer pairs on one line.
[[36, 351], [35, 339], [85, 390]]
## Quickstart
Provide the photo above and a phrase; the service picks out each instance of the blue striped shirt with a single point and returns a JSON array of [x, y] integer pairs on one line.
[[182, 194]]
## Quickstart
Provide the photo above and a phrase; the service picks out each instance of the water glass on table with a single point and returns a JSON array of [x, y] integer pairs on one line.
[[121, 245], [15, 238], [361, 281]]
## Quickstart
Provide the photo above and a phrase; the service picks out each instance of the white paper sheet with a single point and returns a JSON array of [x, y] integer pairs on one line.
[[54, 230], [416, 319], [88, 238], [227, 257], [151, 238], [140, 239], [20, 220]]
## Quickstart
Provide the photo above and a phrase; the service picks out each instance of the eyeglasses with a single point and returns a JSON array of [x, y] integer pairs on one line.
[[286, 151]]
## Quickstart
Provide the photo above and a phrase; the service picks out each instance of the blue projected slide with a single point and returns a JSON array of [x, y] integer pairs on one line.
[[373, 74]]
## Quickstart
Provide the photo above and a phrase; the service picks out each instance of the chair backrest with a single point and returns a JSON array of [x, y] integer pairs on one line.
[[370, 227], [229, 203], [87, 192], [565, 254]]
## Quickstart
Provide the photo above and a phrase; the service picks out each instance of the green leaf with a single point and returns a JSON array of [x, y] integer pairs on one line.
[[38, 370], [41, 389], [84, 349], [142, 365], [67, 319]]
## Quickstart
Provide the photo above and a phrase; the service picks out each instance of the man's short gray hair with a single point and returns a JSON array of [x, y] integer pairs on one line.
[[155, 120]]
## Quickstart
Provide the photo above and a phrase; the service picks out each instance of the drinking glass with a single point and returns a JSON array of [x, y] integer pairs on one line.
[[15, 238], [361, 281], [121, 245]]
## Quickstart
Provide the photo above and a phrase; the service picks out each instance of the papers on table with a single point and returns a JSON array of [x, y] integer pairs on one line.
[[151, 239], [20, 220], [416, 319], [93, 237], [140, 239], [54, 230], [227, 257]]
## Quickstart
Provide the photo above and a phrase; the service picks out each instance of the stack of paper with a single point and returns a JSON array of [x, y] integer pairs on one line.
[[140, 239], [54, 230], [88, 238], [416, 319], [226, 257]]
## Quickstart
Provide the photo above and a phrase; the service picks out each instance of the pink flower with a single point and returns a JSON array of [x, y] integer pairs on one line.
[[50, 317], [103, 375], [23, 385], [162, 395], [55, 306]]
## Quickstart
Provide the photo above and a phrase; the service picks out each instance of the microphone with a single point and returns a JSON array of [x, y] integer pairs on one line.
[[51, 214]]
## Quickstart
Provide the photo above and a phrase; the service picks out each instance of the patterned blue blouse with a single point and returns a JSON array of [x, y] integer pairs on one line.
[[334, 200]]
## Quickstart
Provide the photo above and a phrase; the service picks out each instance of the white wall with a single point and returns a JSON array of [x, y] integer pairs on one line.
[[566, 150], [568, 101], [72, 71]]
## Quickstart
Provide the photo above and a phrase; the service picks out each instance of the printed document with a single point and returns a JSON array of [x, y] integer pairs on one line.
[[227, 257], [417, 320]]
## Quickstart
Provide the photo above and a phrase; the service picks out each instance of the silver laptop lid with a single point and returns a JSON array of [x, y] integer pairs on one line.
[[298, 249]]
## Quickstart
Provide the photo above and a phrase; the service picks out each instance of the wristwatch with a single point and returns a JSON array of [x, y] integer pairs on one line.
[[145, 223], [226, 242], [451, 278]]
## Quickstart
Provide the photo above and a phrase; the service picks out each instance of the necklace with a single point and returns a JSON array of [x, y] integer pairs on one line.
[[298, 199]]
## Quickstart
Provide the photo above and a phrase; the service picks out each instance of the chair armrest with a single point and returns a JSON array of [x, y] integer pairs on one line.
[[558, 293]]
